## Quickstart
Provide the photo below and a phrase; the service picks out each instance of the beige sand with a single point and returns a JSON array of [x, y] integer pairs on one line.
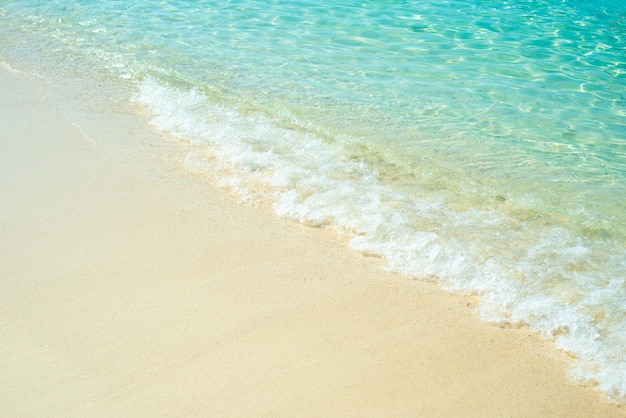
[[128, 288]]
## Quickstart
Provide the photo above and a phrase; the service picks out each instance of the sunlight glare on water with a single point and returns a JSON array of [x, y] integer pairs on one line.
[[478, 144]]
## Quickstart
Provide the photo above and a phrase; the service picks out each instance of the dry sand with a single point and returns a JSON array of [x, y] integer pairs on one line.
[[129, 288]]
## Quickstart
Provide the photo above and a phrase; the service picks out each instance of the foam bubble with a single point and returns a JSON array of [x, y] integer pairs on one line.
[[567, 287]]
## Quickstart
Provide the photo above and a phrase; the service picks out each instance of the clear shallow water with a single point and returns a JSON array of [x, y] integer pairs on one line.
[[481, 145]]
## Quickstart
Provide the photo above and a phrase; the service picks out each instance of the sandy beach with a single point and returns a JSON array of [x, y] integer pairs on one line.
[[131, 288]]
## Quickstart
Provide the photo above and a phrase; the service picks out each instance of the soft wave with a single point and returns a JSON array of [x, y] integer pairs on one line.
[[567, 287]]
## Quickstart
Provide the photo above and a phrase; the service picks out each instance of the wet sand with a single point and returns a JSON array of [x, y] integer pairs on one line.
[[129, 287]]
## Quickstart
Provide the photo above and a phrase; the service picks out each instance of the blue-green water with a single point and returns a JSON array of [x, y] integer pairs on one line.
[[475, 143]]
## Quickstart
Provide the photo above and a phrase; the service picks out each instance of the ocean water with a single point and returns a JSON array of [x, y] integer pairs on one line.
[[477, 144]]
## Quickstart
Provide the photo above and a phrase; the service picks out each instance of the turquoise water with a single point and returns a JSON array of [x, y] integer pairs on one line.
[[478, 144]]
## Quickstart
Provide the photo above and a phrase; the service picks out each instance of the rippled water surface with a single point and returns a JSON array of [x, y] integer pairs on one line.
[[478, 144]]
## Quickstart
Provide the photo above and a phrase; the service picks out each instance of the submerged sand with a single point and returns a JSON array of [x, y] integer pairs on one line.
[[131, 288]]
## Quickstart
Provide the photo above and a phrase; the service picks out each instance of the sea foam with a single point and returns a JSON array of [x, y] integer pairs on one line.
[[480, 146], [561, 284]]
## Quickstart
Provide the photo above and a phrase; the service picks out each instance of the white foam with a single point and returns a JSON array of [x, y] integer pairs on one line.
[[568, 288]]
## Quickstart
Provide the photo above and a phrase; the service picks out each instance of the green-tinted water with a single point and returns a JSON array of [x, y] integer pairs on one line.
[[478, 144]]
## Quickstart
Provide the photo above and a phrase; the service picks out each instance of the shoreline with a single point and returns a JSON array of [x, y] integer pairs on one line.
[[132, 288]]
